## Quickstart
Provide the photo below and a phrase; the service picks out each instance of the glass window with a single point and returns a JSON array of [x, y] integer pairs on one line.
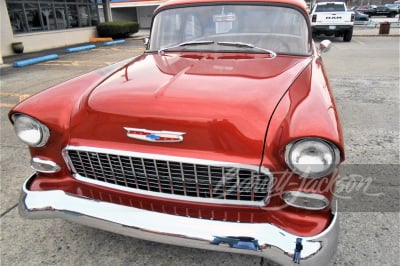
[[210, 28], [330, 7], [44, 15], [17, 18]]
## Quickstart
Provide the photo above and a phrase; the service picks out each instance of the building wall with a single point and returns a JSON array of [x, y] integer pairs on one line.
[[140, 14], [126, 13], [141, 9], [145, 14], [52, 39], [39, 40], [5, 32], [44, 40]]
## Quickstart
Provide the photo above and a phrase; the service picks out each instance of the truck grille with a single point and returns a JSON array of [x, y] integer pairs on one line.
[[200, 180]]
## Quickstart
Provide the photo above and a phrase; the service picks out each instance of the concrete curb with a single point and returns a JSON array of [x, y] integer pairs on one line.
[[98, 39], [80, 48], [35, 60], [40, 59], [114, 42]]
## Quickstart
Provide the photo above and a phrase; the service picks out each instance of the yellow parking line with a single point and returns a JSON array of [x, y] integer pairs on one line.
[[20, 97], [75, 63], [8, 94], [8, 105], [23, 97]]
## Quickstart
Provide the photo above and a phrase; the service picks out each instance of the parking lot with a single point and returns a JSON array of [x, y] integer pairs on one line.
[[364, 75]]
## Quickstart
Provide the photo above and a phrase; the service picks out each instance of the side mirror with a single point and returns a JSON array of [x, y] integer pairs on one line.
[[324, 46], [146, 42]]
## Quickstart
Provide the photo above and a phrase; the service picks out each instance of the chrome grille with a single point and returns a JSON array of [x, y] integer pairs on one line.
[[171, 176]]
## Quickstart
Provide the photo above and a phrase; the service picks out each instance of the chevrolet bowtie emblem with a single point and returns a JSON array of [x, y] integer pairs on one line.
[[154, 135]]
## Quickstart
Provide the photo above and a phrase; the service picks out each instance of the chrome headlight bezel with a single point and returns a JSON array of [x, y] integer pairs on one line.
[[30, 131], [318, 150]]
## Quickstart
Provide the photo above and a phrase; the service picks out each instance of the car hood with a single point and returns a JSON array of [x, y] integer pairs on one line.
[[221, 102]]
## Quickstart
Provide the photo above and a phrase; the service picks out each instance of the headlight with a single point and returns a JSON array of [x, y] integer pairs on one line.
[[30, 131], [312, 157]]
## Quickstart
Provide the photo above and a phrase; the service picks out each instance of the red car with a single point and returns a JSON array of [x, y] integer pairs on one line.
[[222, 135]]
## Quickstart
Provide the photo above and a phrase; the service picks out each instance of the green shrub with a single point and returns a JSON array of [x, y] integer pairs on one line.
[[117, 29]]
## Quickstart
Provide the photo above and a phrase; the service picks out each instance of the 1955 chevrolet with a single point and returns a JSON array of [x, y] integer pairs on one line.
[[222, 135]]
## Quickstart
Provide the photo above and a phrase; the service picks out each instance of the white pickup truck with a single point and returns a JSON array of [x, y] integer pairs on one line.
[[332, 18]]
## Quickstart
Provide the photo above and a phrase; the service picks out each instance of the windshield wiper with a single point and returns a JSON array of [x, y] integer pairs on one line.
[[247, 45], [189, 43]]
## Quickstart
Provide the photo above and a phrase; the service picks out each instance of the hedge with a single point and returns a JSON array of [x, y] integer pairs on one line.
[[117, 29]]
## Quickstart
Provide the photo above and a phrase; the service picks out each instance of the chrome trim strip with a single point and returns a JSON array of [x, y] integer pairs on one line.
[[300, 194], [171, 196], [274, 243], [165, 157], [36, 162], [168, 159], [154, 135]]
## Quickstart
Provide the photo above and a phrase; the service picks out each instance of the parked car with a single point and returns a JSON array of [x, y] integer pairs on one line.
[[360, 18], [389, 10], [332, 18], [369, 10], [222, 135]]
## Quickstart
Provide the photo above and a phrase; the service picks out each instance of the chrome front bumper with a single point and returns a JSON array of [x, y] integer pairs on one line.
[[260, 239]]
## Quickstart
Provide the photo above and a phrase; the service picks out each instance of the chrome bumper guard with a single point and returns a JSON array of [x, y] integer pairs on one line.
[[260, 239]]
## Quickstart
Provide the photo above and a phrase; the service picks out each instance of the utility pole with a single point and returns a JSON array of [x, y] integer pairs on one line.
[[107, 10]]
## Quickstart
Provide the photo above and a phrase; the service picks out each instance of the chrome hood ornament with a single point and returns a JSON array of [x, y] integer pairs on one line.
[[154, 135]]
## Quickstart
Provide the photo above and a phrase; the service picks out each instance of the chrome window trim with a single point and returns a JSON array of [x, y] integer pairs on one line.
[[261, 169]]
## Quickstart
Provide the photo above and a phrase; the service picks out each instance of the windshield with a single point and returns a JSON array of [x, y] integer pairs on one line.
[[330, 7], [231, 28]]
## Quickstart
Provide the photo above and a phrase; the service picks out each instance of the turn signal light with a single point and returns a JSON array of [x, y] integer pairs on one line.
[[309, 201], [44, 166]]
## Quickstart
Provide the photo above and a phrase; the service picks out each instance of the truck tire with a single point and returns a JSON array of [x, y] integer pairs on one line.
[[347, 35]]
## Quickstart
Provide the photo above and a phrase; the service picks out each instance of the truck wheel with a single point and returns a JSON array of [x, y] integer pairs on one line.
[[348, 35]]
